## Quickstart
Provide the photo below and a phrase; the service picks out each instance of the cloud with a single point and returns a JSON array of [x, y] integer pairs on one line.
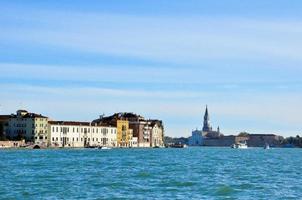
[[189, 39]]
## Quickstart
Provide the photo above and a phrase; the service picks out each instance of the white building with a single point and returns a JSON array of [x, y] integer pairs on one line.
[[157, 134], [80, 134], [134, 142], [196, 139]]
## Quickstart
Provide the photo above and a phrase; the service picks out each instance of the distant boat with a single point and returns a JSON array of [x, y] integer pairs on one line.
[[91, 147], [239, 145], [104, 148], [179, 145], [266, 146]]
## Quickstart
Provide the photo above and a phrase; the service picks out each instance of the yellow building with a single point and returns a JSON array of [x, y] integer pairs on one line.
[[124, 134]]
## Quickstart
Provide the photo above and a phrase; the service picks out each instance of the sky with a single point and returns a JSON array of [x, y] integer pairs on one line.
[[76, 60]]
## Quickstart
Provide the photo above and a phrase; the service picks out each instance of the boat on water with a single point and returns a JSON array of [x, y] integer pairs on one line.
[[178, 145], [266, 146], [91, 147], [104, 147], [239, 145]]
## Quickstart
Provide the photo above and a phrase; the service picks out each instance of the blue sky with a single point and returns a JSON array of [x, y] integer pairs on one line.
[[74, 60]]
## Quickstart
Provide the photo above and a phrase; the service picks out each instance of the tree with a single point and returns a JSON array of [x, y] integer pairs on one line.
[[243, 134]]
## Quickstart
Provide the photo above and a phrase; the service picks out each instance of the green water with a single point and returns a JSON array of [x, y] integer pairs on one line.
[[191, 173]]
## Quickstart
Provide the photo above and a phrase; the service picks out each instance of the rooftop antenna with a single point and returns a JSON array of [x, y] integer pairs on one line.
[[102, 116]]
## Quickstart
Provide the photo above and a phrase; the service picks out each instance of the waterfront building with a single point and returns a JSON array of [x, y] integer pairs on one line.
[[81, 134], [124, 134], [134, 142], [196, 139], [29, 126], [3, 126], [207, 134], [157, 133], [142, 128]]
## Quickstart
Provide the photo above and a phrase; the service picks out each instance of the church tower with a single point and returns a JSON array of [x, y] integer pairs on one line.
[[206, 121]]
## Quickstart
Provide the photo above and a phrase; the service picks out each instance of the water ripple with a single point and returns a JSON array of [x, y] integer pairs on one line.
[[192, 173]]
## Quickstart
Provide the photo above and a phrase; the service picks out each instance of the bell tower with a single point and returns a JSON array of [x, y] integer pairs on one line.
[[206, 121]]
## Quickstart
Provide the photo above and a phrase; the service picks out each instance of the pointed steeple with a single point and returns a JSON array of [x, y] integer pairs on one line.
[[206, 115], [206, 121]]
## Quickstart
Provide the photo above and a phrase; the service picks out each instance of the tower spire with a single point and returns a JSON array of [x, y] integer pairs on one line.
[[206, 121], [206, 115]]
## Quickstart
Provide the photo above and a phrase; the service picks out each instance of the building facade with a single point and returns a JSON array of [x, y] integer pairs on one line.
[[29, 126], [124, 133], [196, 139], [157, 134], [141, 128], [80, 134], [3, 126]]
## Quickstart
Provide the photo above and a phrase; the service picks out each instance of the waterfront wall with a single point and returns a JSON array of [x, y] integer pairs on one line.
[[253, 140], [12, 144], [220, 142], [259, 140]]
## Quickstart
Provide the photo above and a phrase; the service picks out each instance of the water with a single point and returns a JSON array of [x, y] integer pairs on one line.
[[192, 173]]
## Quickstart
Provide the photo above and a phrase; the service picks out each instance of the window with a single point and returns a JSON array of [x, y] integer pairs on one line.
[[73, 139], [56, 138], [77, 139], [53, 129], [92, 130], [92, 139], [53, 139], [57, 129], [73, 129]]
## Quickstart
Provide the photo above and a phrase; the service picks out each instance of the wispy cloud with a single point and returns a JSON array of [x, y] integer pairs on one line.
[[188, 39]]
